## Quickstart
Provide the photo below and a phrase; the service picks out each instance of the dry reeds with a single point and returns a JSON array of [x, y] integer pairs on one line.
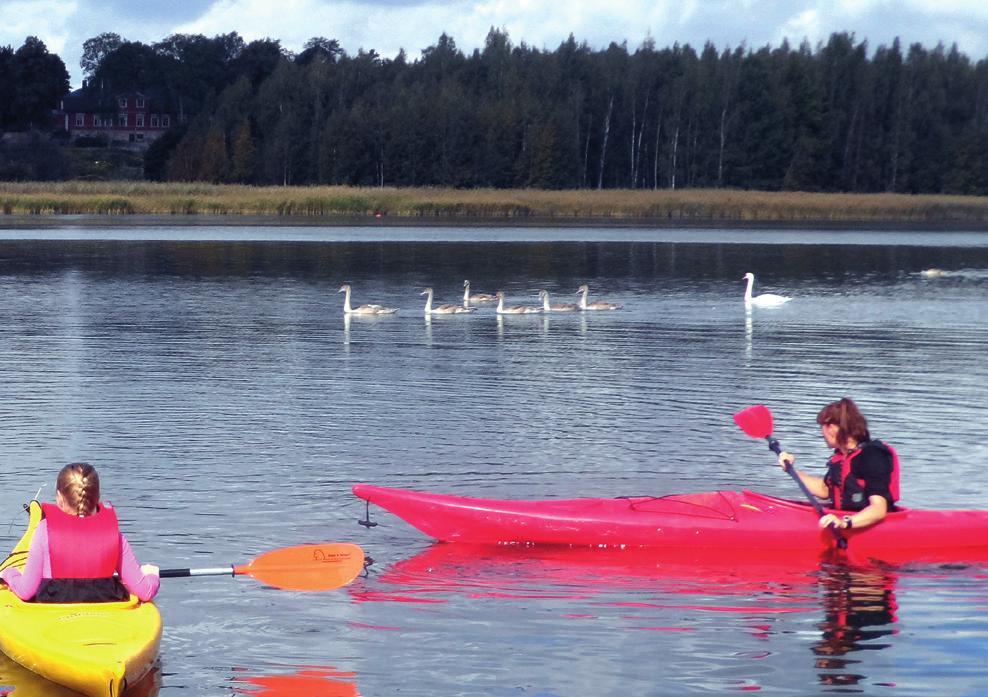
[[694, 206]]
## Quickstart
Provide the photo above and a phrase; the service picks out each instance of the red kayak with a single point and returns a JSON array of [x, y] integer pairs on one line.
[[716, 520]]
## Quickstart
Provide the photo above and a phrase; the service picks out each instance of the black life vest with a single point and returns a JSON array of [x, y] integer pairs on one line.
[[848, 491]]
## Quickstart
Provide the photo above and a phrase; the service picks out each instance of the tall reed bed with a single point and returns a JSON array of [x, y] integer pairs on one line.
[[699, 206]]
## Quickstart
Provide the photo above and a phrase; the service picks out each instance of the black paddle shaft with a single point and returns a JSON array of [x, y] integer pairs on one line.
[[774, 446]]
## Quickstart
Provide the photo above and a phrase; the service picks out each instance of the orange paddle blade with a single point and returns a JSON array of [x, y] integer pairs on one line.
[[319, 567], [755, 421]]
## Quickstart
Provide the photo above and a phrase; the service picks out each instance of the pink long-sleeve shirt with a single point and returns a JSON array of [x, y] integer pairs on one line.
[[25, 583]]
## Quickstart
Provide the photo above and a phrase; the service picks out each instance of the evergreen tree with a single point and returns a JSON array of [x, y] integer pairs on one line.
[[8, 87], [242, 155], [41, 80], [763, 153], [213, 163]]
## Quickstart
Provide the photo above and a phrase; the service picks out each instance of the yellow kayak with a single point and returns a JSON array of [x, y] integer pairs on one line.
[[96, 649], [18, 681]]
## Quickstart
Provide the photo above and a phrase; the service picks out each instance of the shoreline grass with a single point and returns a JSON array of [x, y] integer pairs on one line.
[[519, 206]]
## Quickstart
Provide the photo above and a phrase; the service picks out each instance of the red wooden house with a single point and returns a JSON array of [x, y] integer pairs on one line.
[[133, 119]]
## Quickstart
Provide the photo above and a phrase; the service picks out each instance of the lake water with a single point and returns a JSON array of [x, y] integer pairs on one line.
[[211, 377]]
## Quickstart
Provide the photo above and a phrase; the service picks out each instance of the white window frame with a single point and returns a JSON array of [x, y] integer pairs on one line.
[[122, 102], [139, 120], [122, 120], [164, 121], [140, 102], [80, 120]]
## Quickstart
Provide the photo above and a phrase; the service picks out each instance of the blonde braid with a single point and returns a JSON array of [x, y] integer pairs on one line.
[[79, 485]]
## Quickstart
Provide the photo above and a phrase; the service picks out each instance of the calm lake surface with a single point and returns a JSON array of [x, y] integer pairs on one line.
[[211, 377]]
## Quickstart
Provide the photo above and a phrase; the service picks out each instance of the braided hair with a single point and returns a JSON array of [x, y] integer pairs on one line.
[[78, 484]]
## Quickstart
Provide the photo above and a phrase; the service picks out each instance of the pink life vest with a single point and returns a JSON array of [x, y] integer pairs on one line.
[[845, 461], [87, 547]]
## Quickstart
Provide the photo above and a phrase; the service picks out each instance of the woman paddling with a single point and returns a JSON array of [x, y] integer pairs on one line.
[[78, 548], [862, 475]]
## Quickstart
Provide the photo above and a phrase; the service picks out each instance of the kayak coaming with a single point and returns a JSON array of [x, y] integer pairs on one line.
[[706, 520], [97, 649]]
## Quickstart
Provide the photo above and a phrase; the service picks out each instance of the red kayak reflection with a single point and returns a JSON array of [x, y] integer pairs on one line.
[[591, 574], [855, 600], [308, 681]]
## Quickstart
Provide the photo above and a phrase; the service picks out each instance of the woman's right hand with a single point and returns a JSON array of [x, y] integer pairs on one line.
[[786, 460]]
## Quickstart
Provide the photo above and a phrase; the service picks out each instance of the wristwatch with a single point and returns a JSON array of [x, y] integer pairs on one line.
[[848, 522]]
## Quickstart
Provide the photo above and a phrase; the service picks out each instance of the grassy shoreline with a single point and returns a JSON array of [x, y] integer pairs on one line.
[[147, 202]]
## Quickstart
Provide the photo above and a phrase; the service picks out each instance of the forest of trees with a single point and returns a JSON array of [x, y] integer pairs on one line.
[[839, 116]]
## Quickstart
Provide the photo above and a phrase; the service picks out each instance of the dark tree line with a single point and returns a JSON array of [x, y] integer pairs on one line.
[[835, 117], [32, 80]]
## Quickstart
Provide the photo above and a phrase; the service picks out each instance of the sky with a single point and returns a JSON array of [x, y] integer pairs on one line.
[[387, 26]]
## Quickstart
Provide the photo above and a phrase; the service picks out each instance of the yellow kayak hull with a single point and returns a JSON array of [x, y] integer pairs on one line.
[[96, 649]]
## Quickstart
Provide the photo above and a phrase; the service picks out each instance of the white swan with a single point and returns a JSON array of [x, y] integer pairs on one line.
[[933, 273], [479, 298], [363, 309], [442, 309], [584, 290], [556, 307], [514, 309], [763, 300]]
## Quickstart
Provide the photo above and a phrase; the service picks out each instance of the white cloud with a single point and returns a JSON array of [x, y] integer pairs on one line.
[[389, 25], [955, 9], [805, 25], [855, 8], [539, 23], [49, 20]]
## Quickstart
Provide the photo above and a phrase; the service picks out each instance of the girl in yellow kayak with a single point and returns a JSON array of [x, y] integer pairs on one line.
[[862, 477], [78, 553]]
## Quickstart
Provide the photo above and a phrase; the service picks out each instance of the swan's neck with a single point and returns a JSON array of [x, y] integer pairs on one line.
[[747, 290], [545, 302], [500, 303], [428, 301], [466, 294], [583, 298], [346, 301]]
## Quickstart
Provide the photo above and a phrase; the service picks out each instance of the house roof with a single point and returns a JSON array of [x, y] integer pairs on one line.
[[95, 100]]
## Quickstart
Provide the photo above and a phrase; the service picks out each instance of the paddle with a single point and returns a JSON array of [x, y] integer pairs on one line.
[[757, 422], [319, 567]]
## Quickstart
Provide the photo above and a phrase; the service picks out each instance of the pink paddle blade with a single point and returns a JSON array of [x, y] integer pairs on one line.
[[756, 421]]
